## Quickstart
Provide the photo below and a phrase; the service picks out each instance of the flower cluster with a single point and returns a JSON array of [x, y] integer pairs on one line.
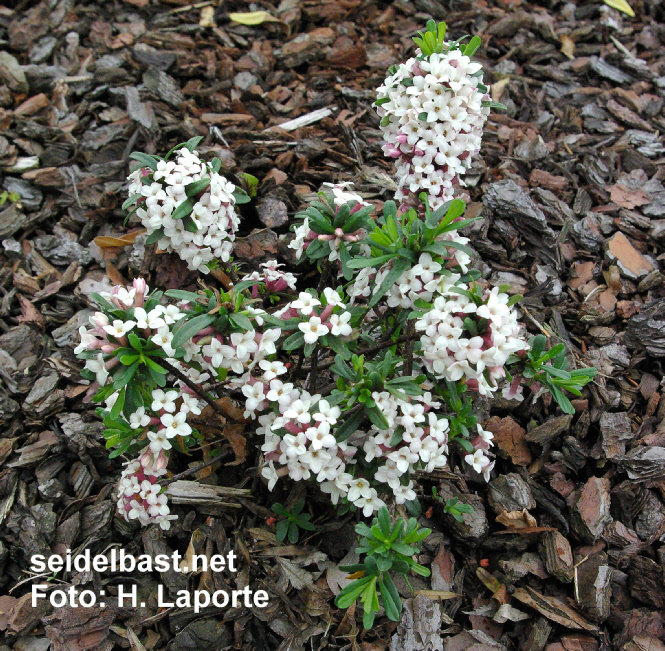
[[301, 437], [140, 496], [272, 278], [187, 207], [470, 338], [338, 195], [432, 118]]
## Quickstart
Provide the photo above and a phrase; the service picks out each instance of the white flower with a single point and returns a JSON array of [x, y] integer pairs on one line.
[[163, 339], [272, 369], [164, 400], [139, 418], [313, 329], [305, 303], [98, 367], [244, 343], [359, 488], [268, 339], [327, 414], [478, 460], [340, 324], [320, 436], [86, 341], [175, 425], [152, 319], [369, 504], [159, 441], [119, 328], [270, 474], [254, 394], [332, 297]]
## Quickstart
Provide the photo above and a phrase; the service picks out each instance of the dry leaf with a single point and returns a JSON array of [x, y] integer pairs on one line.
[[233, 433], [553, 609], [29, 313], [567, 46], [620, 5], [496, 90], [114, 275], [294, 575], [253, 18], [134, 642], [207, 17], [111, 242], [335, 577], [435, 595], [195, 547], [507, 613], [488, 580], [517, 519]]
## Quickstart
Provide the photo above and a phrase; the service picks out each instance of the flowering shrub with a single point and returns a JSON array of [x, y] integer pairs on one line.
[[358, 383]]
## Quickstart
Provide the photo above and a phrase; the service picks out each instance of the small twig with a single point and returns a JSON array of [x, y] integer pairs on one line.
[[199, 392], [408, 362], [192, 471], [312, 375], [372, 349], [298, 367]]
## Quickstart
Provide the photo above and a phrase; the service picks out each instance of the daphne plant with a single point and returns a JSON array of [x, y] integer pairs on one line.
[[356, 384], [389, 547]]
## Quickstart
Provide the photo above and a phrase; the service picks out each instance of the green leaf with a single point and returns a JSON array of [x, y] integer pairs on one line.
[[240, 196], [194, 188], [124, 376], [360, 263], [472, 46], [155, 236], [182, 295], [377, 418], [190, 327], [382, 101], [193, 143], [351, 592], [241, 321], [131, 201], [293, 533], [390, 604], [383, 517], [349, 426], [282, 530], [296, 340], [184, 209], [337, 345], [400, 265], [441, 248], [494, 105], [145, 159]]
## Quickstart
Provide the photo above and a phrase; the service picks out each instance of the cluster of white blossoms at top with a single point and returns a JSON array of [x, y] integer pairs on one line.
[[432, 121], [204, 234], [449, 351], [304, 235]]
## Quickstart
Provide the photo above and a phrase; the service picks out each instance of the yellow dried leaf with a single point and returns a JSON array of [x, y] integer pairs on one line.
[[567, 46], [253, 18], [108, 242], [207, 17], [620, 5]]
